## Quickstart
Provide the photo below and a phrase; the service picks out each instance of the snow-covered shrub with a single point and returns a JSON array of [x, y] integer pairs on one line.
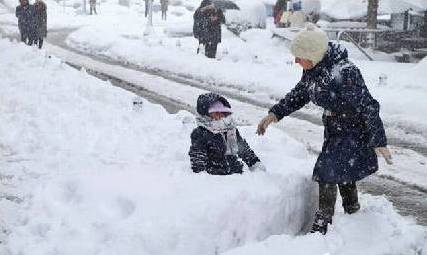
[[175, 2], [250, 15], [312, 9]]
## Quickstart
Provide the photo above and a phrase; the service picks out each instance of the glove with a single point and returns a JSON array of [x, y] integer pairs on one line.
[[265, 122], [384, 152], [258, 167]]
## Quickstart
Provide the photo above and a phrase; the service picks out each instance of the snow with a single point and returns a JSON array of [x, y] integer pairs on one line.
[[421, 66], [253, 12], [261, 65], [349, 9], [363, 233], [107, 179], [88, 169], [309, 6], [260, 68], [353, 9]]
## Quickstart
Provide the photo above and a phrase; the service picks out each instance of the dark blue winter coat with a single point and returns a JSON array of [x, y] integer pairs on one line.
[[353, 127], [204, 29], [26, 20], [207, 151]]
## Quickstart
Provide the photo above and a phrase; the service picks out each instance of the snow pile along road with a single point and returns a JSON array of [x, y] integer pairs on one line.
[[259, 67], [83, 173]]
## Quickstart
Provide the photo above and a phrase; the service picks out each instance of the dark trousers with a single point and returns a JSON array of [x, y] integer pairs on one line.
[[164, 15], [93, 9], [27, 39], [210, 50], [328, 197], [40, 42], [146, 7]]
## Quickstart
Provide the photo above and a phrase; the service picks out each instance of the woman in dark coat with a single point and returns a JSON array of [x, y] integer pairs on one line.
[[207, 27], [216, 144], [41, 22], [354, 132], [26, 21]]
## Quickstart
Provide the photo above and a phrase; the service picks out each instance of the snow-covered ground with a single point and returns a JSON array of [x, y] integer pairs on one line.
[[82, 172]]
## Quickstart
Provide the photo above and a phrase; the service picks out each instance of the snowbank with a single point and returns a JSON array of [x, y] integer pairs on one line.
[[97, 177], [350, 235], [353, 9]]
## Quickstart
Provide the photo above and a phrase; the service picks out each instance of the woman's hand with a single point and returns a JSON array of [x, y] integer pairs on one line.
[[384, 152], [265, 122]]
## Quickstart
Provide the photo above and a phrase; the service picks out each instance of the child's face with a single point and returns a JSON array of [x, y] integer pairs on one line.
[[217, 115], [304, 63]]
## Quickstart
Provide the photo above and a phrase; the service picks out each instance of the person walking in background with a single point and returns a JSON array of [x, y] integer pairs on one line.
[[278, 10], [164, 6], [92, 4], [147, 6], [216, 144], [26, 21], [41, 22], [354, 132], [207, 27]]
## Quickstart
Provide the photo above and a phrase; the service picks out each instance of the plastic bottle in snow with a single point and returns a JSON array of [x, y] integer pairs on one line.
[[382, 80], [137, 104]]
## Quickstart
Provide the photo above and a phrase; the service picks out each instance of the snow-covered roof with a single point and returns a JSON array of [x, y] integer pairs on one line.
[[354, 9], [393, 6], [350, 25], [384, 17], [349, 9]]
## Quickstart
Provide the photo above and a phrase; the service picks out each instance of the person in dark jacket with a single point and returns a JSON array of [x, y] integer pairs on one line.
[[216, 144], [278, 9], [354, 132], [92, 5], [26, 21], [41, 22], [207, 27], [147, 7], [164, 6]]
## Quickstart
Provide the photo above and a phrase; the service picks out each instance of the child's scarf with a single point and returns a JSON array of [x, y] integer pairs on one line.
[[226, 127]]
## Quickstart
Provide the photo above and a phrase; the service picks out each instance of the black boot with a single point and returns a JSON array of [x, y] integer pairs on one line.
[[320, 223], [327, 198], [350, 201], [350, 209]]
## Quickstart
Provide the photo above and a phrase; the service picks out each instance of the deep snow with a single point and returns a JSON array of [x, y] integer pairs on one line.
[[87, 174]]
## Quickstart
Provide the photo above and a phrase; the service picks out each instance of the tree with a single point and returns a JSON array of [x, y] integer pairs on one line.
[[372, 13], [424, 30]]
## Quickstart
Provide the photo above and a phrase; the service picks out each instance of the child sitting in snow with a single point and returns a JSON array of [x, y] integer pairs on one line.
[[216, 144]]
